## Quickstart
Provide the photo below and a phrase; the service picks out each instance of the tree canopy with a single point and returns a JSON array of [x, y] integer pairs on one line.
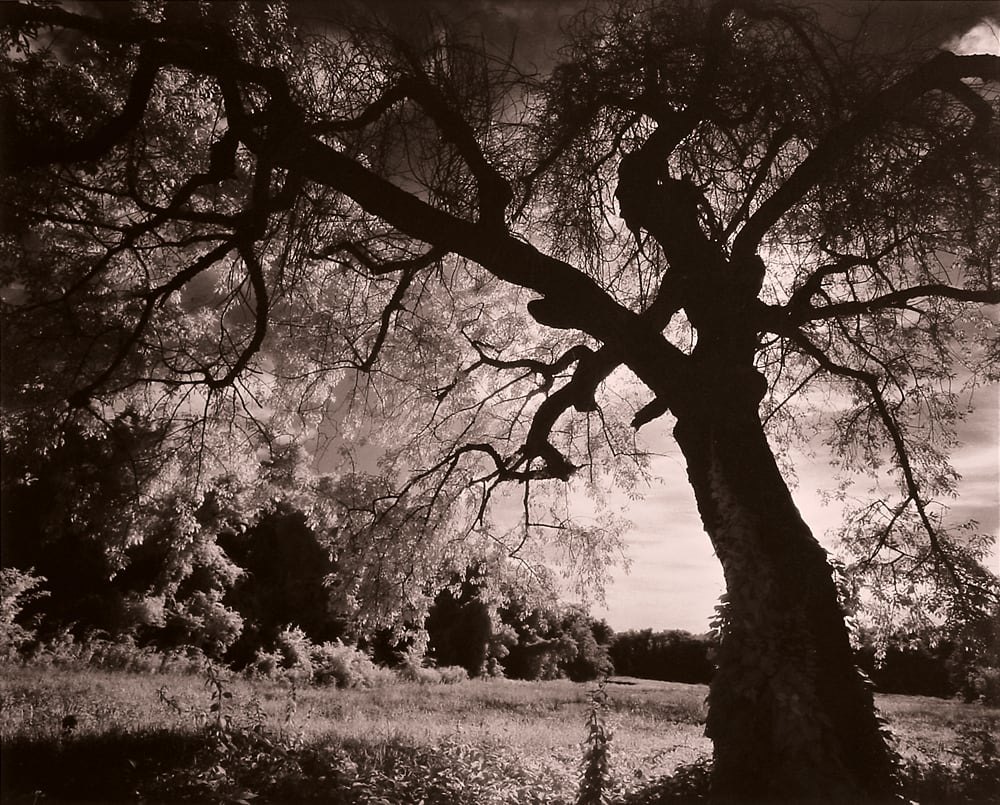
[[727, 214]]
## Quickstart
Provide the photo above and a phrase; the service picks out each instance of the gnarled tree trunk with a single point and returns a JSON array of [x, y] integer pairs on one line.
[[790, 716]]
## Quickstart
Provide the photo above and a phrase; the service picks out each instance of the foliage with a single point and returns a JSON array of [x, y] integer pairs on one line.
[[16, 589], [674, 656], [162, 737], [297, 658], [934, 661], [285, 565], [974, 778], [463, 629], [426, 675], [164, 726], [555, 641], [689, 783], [346, 667], [65, 651]]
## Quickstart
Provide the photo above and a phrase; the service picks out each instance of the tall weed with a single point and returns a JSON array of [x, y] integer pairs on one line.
[[595, 782]]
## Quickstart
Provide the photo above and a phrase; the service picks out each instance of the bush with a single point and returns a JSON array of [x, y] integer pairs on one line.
[[412, 669], [982, 684], [122, 654], [346, 667], [297, 657], [17, 588], [295, 650], [671, 656], [687, 784], [452, 674]]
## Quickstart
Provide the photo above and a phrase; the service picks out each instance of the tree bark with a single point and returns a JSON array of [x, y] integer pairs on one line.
[[790, 716]]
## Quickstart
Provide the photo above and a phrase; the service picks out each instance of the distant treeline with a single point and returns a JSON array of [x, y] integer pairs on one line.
[[671, 656], [249, 586], [909, 664]]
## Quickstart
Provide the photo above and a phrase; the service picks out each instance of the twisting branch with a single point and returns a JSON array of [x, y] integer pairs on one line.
[[379, 267], [778, 141], [260, 317], [801, 298], [408, 268], [153, 298], [495, 192], [591, 371]]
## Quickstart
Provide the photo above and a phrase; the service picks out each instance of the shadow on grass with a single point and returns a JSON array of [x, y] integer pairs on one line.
[[112, 767]]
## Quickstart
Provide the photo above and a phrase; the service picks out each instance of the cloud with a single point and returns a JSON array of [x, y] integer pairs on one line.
[[984, 37]]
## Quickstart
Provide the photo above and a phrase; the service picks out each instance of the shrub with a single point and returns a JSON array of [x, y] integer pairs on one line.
[[333, 663], [982, 684], [413, 669], [452, 674], [595, 768], [97, 651], [265, 664], [17, 588], [295, 649], [346, 667], [688, 784]]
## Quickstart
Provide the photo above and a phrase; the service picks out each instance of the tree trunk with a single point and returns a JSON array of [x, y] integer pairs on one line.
[[790, 716]]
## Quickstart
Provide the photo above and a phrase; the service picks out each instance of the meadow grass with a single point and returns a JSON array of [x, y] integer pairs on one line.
[[479, 741]]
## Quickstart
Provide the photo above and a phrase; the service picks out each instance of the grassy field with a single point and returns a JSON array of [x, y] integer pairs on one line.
[[120, 736]]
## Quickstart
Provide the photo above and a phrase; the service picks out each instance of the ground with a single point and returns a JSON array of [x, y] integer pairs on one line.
[[119, 736]]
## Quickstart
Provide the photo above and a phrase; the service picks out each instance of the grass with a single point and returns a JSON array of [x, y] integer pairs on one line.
[[115, 735]]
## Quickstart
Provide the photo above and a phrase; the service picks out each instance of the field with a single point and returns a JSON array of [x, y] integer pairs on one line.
[[119, 737]]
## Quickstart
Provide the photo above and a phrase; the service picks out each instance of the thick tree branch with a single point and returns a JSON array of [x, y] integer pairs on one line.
[[287, 144], [494, 190], [591, 370]]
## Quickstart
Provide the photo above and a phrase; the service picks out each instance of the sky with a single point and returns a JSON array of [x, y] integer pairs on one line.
[[675, 579]]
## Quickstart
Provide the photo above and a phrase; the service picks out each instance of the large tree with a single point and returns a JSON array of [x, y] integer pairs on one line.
[[712, 213]]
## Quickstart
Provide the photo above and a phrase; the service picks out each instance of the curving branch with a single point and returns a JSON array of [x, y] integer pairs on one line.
[[395, 303], [896, 299], [495, 192], [155, 297], [261, 310]]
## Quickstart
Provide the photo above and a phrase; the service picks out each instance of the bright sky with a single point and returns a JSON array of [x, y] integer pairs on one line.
[[675, 579]]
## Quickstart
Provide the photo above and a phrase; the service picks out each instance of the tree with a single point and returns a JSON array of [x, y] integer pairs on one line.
[[461, 628], [70, 510], [285, 571], [714, 214]]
